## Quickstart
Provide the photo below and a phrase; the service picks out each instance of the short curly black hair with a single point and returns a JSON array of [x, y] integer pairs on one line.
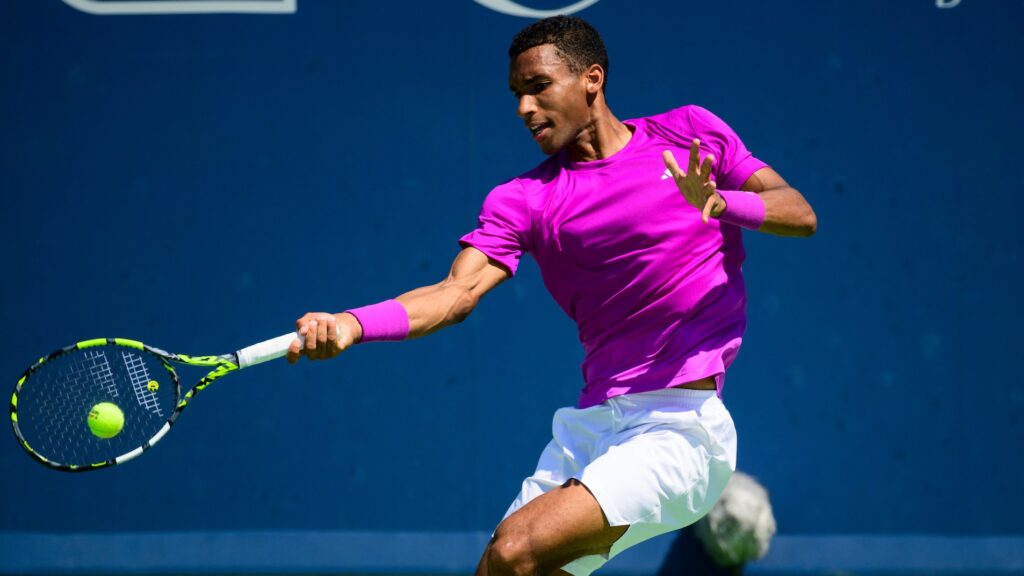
[[576, 41]]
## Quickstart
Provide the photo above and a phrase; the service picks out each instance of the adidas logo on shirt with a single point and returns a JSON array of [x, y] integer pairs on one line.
[[667, 174]]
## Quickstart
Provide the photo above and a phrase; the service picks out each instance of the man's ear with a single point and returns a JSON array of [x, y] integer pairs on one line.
[[595, 78]]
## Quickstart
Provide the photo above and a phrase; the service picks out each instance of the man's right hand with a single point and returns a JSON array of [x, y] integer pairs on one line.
[[326, 335]]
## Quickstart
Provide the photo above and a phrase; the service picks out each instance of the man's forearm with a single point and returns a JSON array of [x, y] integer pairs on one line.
[[787, 213], [432, 308]]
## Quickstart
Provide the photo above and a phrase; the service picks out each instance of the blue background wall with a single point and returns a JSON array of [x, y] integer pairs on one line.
[[198, 182]]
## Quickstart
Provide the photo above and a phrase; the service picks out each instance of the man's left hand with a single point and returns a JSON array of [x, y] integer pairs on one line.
[[696, 184]]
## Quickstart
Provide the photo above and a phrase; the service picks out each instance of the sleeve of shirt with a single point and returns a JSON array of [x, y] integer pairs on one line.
[[734, 164], [503, 226]]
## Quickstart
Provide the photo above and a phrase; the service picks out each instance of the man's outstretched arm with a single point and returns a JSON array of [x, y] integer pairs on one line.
[[429, 308]]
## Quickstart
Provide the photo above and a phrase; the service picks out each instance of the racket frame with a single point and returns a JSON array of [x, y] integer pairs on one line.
[[223, 365]]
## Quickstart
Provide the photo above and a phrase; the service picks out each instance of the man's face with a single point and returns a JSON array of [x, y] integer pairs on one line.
[[553, 101]]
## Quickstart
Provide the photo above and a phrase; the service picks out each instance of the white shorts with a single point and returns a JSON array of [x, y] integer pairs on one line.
[[656, 461]]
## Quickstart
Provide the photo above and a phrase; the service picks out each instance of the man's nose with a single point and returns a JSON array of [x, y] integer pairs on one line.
[[527, 106]]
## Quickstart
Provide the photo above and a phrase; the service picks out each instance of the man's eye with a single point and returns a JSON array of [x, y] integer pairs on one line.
[[531, 89]]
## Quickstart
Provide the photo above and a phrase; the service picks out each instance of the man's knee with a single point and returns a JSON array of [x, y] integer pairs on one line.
[[511, 553]]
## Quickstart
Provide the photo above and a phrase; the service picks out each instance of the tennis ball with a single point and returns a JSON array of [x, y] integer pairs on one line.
[[106, 420]]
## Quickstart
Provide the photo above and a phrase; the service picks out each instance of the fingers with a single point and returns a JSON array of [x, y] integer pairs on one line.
[[696, 184], [706, 167], [672, 165], [294, 351], [319, 331], [321, 334], [695, 166], [694, 156], [706, 213], [296, 347], [331, 338], [709, 204], [309, 344]]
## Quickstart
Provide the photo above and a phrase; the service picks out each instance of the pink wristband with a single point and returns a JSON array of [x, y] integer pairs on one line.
[[744, 209], [385, 321]]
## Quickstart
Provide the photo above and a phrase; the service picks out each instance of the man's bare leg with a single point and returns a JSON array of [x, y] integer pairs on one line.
[[549, 532]]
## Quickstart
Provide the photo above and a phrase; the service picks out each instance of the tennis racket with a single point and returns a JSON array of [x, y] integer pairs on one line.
[[54, 398]]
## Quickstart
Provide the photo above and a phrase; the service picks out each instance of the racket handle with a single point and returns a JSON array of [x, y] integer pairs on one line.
[[266, 350]]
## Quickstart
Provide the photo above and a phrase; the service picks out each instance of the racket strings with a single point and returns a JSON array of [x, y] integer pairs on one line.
[[145, 392], [94, 366], [55, 401]]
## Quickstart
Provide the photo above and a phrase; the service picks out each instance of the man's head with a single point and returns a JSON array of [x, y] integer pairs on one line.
[[578, 44], [558, 69]]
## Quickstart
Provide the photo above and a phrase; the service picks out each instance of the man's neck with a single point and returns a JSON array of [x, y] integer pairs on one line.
[[603, 137]]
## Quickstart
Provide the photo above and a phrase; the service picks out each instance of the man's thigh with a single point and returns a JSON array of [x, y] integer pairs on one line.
[[551, 531]]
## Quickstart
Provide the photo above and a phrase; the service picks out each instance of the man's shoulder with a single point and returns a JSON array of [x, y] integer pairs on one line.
[[675, 124], [528, 187], [540, 175], [682, 113]]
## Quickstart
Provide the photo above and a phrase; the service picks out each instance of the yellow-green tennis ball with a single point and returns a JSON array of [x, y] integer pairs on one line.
[[106, 420]]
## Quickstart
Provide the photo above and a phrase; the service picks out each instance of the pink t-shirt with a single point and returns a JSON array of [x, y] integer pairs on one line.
[[657, 295]]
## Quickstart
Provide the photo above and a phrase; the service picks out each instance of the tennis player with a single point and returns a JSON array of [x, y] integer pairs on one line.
[[636, 227]]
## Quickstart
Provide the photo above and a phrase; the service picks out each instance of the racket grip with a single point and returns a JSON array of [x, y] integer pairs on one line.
[[266, 350]]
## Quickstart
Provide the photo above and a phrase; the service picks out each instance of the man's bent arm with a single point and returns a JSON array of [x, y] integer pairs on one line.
[[786, 212], [777, 207]]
